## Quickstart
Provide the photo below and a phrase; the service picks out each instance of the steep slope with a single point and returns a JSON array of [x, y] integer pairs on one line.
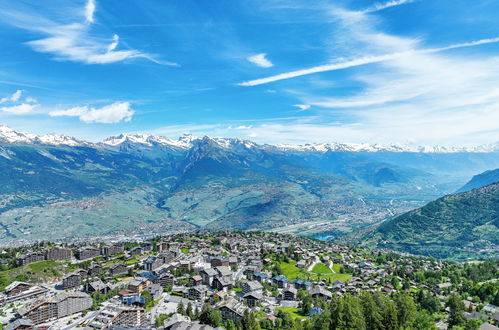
[[455, 226], [481, 180]]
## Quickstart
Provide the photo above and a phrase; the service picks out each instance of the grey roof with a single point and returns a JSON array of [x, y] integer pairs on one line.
[[182, 325], [320, 290], [224, 271], [254, 285], [210, 271], [17, 323]]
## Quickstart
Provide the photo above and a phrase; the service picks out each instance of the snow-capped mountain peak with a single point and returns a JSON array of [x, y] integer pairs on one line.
[[9, 135], [186, 141]]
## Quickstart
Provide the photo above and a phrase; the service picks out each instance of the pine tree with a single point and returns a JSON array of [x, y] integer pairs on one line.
[[372, 312], [188, 311], [181, 308], [407, 310]]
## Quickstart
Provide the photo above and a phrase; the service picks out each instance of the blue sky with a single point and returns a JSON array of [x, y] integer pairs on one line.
[[274, 71]]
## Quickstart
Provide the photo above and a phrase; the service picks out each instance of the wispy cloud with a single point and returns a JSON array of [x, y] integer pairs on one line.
[[109, 114], [89, 11], [12, 98], [74, 41], [380, 6], [362, 61], [302, 107], [260, 60]]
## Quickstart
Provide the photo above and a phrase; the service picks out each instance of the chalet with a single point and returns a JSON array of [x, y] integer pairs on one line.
[[72, 280], [222, 283], [280, 281], [252, 298], [16, 288], [195, 280], [260, 277], [231, 309], [224, 271], [137, 250], [302, 285], [198, 292], [137, 285], [219, 261], [96, 286], [301, 264], [94, 270], [117, 269], [152, 263], [165, 280], [320, 292], [252, 286], [289, 294], [249, 271]]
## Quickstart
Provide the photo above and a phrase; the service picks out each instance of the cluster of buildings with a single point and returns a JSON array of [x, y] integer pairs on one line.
[[232, 272]]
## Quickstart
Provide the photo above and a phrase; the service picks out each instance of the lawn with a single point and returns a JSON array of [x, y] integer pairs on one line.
[[295, 312], [185, 250], [292, 272], [321, 268], [320, 271], [337, 268]]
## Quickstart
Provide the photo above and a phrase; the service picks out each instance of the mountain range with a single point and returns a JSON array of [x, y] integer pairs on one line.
[[155, 184]]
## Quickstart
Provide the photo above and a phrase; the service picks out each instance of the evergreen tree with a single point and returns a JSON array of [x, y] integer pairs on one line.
[[204, 317], [390, 317], [249, 321], [353, 316], [189, 311], [181, 308], [407, 310], [372, 312], [456, 306], [215, 318]]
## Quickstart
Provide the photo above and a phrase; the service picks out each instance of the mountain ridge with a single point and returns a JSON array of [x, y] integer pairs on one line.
[[8, 135]]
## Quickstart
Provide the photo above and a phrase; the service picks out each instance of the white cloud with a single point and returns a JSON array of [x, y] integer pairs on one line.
[[302, 107], [74, 41], [260, 60], [16, 96], [380, 6], [89, 11], [362, 61], [109, 114], [15, 105], [19, 109]]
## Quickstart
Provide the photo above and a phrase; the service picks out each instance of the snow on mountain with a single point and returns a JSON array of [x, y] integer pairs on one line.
[[185, 142], [9, 135]]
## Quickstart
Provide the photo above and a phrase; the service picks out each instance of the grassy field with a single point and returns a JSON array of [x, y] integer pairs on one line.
[[292, 272], [41, 271], [295, 312], [321, 268], [337, 268], [319, 272]]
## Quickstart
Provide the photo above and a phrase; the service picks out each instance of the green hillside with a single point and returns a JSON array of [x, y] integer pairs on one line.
[[455, 226]]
